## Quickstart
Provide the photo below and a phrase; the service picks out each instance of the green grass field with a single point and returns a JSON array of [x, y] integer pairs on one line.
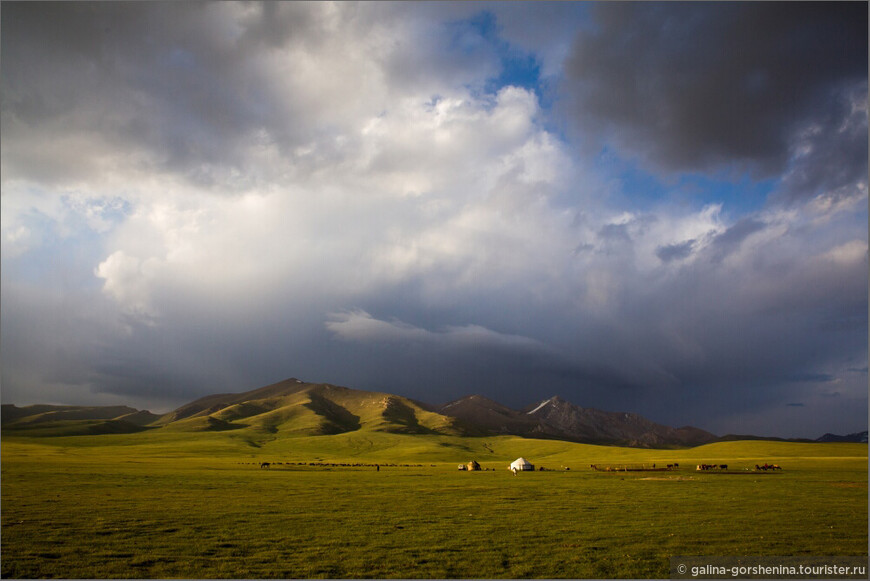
[[160, 504]]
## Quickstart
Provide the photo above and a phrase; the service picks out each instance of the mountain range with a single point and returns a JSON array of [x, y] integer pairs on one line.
[[297, 408], [860, 437], [559, 419]]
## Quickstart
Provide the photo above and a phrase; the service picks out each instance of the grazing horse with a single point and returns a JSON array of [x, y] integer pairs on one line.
[[264, 464], [723, 466]]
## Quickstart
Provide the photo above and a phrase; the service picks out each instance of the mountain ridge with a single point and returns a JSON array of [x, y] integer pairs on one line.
[[859, 437], [294, 407]]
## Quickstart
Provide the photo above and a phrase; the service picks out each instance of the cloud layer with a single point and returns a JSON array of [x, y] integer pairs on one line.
[[201, 198]]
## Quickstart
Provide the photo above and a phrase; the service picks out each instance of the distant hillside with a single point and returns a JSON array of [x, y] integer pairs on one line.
[[51, 420], [560, 419], [741, 437], [860, 437]]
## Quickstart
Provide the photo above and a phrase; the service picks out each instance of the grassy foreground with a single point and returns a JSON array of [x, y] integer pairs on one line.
[[154, 505]]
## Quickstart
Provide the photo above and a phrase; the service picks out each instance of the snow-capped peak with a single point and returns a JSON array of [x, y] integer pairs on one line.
[[540, 405]]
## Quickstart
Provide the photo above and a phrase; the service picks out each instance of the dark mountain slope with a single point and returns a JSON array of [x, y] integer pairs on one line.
[[488, 415], [560, 419], [593, 425], [860, 437]]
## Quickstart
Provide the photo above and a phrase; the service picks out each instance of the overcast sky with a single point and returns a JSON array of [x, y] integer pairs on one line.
[[657, 208]]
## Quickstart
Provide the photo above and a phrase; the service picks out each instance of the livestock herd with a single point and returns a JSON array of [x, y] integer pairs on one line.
[[767, 467], [633, 467], [716, 468], [329, 465], [763, 467]]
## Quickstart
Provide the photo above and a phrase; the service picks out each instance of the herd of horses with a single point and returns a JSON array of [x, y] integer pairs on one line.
[[763, 467], [328, 465], [767, 467], [632, 467], [718, 468]]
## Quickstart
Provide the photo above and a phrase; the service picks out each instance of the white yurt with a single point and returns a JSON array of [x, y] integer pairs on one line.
[[521, 464]]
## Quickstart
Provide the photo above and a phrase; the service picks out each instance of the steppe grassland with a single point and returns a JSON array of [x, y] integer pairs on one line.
[[157, 505]]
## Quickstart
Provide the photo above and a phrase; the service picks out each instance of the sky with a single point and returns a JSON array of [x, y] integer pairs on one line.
[[646, 207]]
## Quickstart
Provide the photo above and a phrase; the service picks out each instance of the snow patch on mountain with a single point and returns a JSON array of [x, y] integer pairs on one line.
[[542, 404]]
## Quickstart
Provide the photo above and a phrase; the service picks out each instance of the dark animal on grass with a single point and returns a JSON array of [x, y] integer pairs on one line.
[[264, 465], [723, 466]]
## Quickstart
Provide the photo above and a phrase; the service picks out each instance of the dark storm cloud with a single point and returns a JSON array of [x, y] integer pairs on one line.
[[812, 377], [704, 85], [730, 240], [132, 76], [278, 22], [830, 154], [671, 252], [178, 87]]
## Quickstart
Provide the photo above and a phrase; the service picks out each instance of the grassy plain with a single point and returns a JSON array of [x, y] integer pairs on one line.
[[197, 505]]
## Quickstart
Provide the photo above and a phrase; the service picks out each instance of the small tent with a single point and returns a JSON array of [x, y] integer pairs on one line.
[[473, 465], [521, 464]]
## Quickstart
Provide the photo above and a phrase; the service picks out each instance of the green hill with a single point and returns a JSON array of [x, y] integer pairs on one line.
[[295, 408]]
